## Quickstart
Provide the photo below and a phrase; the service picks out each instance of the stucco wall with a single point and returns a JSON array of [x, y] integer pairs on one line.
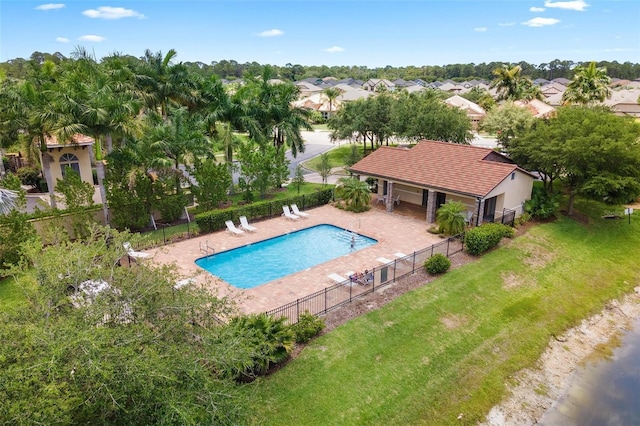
[[512, 193], [84, 159]]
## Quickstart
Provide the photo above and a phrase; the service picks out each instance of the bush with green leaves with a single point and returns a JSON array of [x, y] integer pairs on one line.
[[437, 264], [543, 203], [307, 327], [482, 238], [213, 180], [29, 176], [450, 218], [269, 340]]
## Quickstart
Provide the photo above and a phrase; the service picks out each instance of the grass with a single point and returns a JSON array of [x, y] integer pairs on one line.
[[320, 127], [336, 157], [451, 347]]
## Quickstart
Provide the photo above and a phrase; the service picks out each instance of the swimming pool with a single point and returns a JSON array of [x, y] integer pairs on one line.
[[258, 263]]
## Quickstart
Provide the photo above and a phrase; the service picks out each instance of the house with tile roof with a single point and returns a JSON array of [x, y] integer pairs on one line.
[[431, 173], [76, 154]]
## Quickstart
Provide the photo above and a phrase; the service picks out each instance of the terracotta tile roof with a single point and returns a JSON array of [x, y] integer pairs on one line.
[[462, 169], [79, 139]]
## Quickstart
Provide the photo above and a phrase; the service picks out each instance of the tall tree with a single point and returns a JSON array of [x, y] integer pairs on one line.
[[590, 84], [165, 83], [596, 152], [512, 85]]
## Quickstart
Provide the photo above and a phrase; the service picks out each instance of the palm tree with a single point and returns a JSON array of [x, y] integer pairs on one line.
[[356, 193], [271, 106], [8, 199], [508, 82], [450, 218], [175, 139], [331, 93], [590, 84], [164, 83]]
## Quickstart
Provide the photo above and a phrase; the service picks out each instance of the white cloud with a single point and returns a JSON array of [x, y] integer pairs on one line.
[[334, 49], [540, 22], [108, 12], [50, 6], [271, 33], [578, 5], [536, 9], [62, 40], [480, 29], [507, 24], [91, 37]]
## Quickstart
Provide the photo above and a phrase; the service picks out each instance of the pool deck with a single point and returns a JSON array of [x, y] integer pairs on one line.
[[403, 230]]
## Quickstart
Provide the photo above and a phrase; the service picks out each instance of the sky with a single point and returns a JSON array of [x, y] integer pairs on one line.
[[372, 33]]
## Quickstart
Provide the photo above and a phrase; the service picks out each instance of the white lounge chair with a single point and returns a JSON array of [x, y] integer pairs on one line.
[[338, 279], [182, 283], [232, 228], [287, 213], [294, 208], [244, 224], [132, 253]]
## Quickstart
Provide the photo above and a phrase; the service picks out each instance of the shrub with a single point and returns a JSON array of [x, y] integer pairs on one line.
[[268, 340], [450, 217], [307, 327], [171, 207], [437, 264], [543, 204], [29, 176], [482, 238]]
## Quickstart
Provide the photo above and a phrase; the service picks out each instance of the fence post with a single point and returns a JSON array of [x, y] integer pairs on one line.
[[413, 263], [297, 310], [325, 300], [448, 240], [350, 289], [395, 264], [432, 245]]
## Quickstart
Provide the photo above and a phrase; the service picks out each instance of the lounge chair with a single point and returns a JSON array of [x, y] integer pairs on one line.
[[338, 279], [232, 228], [132, 253], [182, 283], [397, 200], [294, 208], [287, 213], [244, 224]]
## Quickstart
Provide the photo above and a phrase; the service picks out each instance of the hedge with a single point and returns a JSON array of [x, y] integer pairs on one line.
[[215, 220], [485, 237]]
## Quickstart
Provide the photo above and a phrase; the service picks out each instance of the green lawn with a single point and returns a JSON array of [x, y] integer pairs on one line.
[[450, 347], [336, 157]]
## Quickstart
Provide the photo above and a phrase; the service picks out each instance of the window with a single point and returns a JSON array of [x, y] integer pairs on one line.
[[513, 175], [69, 160]]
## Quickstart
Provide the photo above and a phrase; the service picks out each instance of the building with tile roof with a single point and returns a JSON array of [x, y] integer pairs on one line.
[[76, 154], [432, 173]]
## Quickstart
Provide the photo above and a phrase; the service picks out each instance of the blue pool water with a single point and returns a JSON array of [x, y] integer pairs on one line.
[[258, 263]]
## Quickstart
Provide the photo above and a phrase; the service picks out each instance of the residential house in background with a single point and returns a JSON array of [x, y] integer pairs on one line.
[[432, 173], [75, 154], [474, 111], [376, 84]]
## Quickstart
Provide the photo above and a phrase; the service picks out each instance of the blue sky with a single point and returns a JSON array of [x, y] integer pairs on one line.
[[347, 32]]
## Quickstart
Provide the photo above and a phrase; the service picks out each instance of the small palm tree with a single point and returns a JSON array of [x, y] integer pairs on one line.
[[355, 193], [8, 199], [331, 93], [450, 218]]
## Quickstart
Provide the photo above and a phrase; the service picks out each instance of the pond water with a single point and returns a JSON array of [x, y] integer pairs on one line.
[[604, 393]]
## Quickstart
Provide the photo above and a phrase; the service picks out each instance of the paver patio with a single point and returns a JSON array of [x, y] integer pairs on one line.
[[403, 230]]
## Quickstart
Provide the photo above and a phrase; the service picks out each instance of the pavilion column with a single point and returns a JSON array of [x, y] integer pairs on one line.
[[479, 211], [431, 206], [389, 199]]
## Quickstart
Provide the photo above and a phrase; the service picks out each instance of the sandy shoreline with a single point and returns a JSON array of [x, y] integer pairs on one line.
[[538, 389]]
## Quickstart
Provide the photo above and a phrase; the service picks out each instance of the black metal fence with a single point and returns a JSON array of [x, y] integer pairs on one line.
[[339, 294], [332, 297]]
